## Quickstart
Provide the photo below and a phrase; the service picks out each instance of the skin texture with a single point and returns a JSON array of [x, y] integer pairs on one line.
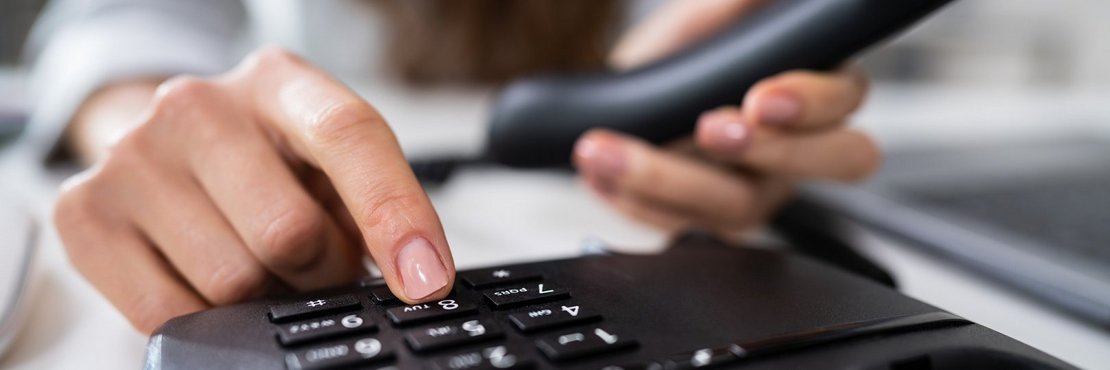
[[742, 161], [275, 177]]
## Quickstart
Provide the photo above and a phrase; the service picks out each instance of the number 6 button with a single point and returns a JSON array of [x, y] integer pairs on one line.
[[417, 313]]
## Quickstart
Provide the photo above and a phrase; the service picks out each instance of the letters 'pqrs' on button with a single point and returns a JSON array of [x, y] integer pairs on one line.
[[524, 294]]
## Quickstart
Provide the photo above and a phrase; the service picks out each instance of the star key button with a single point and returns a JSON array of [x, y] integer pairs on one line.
[[313, 307], [486, 278]]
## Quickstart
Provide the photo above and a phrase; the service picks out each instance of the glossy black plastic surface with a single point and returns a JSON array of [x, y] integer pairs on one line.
[[536, 121], [764, 309]]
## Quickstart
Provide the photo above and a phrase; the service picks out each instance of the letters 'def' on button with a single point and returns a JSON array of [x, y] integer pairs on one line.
[[519, 295]]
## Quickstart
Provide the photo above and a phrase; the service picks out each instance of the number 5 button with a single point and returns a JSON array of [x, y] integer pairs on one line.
[[417, 313]]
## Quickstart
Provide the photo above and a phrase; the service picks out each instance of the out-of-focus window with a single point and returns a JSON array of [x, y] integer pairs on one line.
[[1004, 43], [16, 18]]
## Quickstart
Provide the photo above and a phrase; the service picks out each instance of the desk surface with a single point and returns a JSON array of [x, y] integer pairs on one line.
[[495, 216]]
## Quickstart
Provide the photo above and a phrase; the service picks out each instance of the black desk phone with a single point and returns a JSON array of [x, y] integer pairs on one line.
[[701, 304]]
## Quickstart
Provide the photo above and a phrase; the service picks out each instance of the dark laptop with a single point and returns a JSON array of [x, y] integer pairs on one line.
[[1034, 215]]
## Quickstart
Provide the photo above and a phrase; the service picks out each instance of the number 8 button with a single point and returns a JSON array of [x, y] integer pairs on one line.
[[417, 313]]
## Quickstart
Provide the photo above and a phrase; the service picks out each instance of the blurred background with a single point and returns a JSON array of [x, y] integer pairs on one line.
[[981, 71], [1040, 65]]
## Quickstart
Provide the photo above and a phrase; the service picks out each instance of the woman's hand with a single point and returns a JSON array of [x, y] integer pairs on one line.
[[270, 177], [742, 161]]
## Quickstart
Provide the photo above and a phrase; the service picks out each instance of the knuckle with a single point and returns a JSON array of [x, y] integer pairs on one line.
[[385, 203], [178, 96], [268, 57], [76, 209], [336, 122], [231, 283], [292, 240]]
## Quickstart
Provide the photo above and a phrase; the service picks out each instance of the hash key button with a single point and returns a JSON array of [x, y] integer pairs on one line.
[[497, 276], [551, 316], [581, 343], [313, 307], [417, 313], [525, 294]]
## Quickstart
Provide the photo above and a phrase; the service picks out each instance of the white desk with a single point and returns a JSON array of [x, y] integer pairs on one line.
[[495, 216]]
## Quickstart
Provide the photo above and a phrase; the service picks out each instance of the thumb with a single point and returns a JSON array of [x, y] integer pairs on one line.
[[674, 25]]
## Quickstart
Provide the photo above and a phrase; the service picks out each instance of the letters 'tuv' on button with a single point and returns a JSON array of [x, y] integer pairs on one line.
[[313, 307], [551, 316], [417, 313], [439, 336], [520, 295], [580, 343], [496, 276], [339, 354]]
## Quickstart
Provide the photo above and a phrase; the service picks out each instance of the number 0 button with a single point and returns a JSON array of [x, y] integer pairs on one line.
[[418, 313]]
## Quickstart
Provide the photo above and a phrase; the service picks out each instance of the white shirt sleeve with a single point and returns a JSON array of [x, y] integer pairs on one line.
[[78, 46]]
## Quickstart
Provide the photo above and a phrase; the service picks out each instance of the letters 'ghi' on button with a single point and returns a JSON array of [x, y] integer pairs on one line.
[[440, 336], [424, 312], [589, 341], [552, 316], [313, 307], [519, 295], [489, 358], [347, 353]]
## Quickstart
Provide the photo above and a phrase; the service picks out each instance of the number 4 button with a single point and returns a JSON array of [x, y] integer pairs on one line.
[[551, 316]]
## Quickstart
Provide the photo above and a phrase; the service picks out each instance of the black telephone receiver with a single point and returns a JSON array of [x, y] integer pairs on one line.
[[537, 120]]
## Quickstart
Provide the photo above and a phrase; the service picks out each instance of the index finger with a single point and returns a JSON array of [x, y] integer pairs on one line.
[[330, 127]]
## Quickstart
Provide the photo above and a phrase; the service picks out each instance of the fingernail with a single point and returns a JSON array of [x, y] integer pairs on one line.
[[778, 109], [602, 159], [422, 271], [727, 136]]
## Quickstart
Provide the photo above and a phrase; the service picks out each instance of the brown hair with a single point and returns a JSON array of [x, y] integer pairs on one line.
[[492, 41]]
